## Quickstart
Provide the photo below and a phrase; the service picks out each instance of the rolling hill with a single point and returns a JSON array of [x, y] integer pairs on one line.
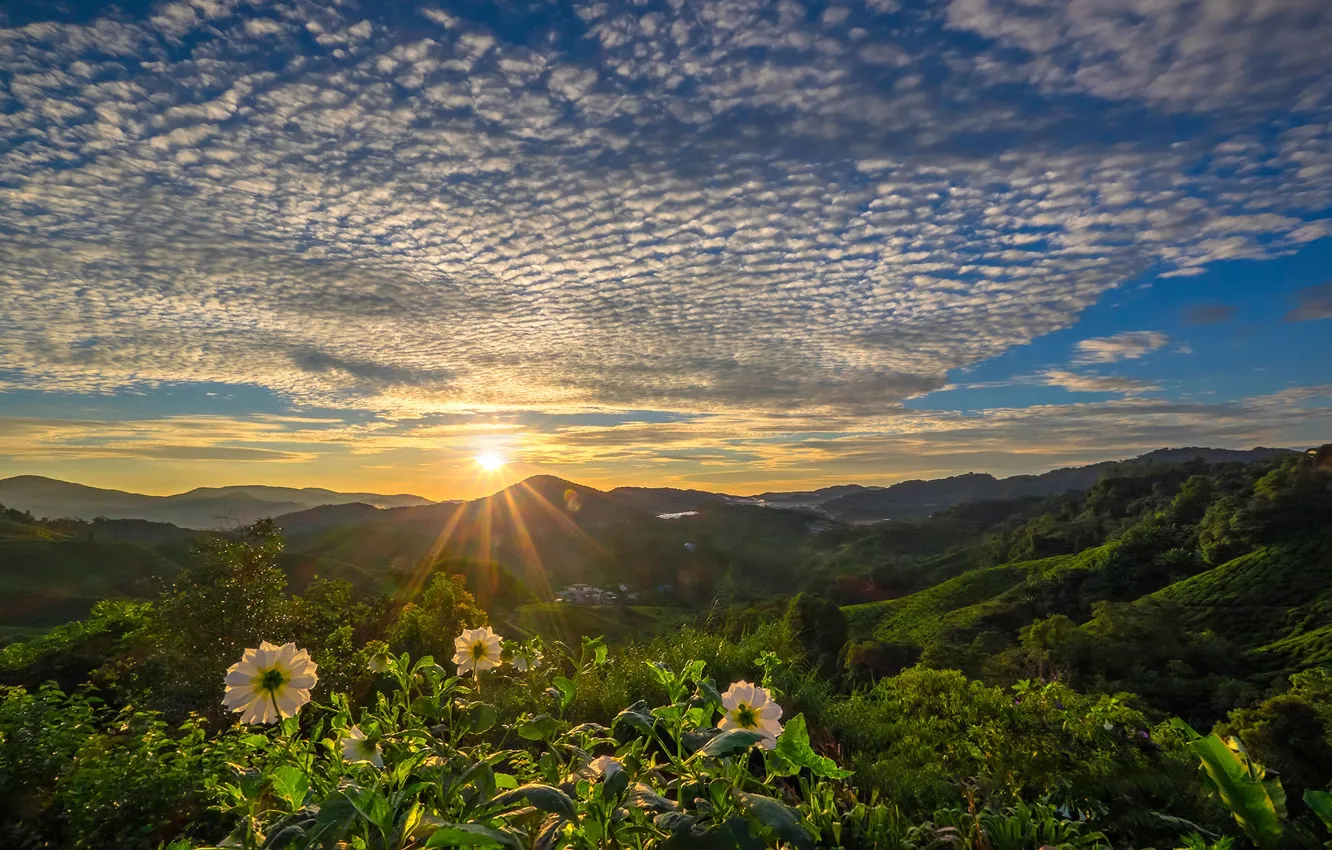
[[1223, 566], [551, 532], [204, 507]]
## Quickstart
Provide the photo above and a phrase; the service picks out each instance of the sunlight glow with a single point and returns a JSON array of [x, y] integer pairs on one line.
[[490, 461]]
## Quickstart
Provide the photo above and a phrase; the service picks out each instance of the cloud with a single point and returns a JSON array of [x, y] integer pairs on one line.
[[1131, 345], [714, 209], [1178, 55], [1094, 383], [1315, 302], [1209, 314]]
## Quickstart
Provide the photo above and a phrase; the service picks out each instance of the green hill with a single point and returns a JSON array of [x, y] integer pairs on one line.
[[1189, 585], [1273, 594]]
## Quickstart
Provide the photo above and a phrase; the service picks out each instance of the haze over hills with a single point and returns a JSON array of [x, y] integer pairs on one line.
[[203, 507]]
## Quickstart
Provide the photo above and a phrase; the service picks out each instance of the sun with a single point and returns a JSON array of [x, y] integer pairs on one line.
[[490, 461]]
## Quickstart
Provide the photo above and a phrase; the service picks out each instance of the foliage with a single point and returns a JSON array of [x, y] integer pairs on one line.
[[1249, 791], [1017, 695]]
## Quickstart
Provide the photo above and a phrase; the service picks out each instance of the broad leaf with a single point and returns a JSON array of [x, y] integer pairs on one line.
[[793, 745], [637, 717], [566, 688], [733, 741], [776, 816], [470, 835], [539, 728], [483, 717], [290, 784], [643, 797], [1256, 799], [543, 797], [334, 818], [1320, 802]]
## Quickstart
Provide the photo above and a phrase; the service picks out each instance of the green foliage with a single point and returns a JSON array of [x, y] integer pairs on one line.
[[919, 736], [429, 626], [1052, 734], [819, 626], [79, 774], [1291, 732]]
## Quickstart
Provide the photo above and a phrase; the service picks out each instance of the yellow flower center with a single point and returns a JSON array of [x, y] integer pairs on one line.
[[271, 680], [479, 650], [744, 717]]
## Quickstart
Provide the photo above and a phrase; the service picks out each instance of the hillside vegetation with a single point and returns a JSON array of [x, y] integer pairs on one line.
[[1193, 585], [1003, 675]]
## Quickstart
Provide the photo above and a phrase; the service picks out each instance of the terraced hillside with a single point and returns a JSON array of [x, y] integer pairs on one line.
[[1215, 578]]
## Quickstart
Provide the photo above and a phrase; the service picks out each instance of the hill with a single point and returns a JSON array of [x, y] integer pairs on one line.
[[917, 498], [53, 572], [1187, 583], [551, 532], [204, 507]]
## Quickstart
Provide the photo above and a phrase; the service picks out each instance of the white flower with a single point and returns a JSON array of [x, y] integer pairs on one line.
[[380, 661], [526, 658], [270, 683], [476, 650], [602, 765], [749, 707], [357, 748]]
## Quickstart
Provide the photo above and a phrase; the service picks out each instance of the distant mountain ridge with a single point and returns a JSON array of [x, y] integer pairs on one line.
[[222, 507], [202, 507], [916, 498]]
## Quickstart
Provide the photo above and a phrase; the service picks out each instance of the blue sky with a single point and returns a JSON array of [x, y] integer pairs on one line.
[[738, 244]]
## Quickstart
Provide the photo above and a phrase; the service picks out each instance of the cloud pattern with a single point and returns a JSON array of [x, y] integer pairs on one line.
[[738, 208]]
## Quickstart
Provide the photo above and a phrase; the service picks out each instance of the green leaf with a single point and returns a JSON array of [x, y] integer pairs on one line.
[[371, 805], [636, 716], [1320, 802], [643, 797], [470, 835], [709, 692], [505, 781], [733, 741], [427, 706], [793, 745], [543, 797], [334, 818], [539, 728], [290, 784], [483, 717], [776, 816], [1255, 799], [566, 688]]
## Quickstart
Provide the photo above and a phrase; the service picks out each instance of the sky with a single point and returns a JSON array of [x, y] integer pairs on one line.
[[733, 245]]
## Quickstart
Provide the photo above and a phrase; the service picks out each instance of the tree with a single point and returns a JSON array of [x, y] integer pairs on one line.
[[235, 598], [819, 626], [429, 627]]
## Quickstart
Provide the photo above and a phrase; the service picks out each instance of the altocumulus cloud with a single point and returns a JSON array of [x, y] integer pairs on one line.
[[719, 207]]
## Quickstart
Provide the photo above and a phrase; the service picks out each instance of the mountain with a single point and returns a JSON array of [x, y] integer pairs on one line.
[[919, 498], [908, 499], [550, 532], [669, 500], [204, 507]]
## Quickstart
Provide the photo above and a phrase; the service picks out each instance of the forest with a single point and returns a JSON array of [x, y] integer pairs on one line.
[[1140, 664]]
